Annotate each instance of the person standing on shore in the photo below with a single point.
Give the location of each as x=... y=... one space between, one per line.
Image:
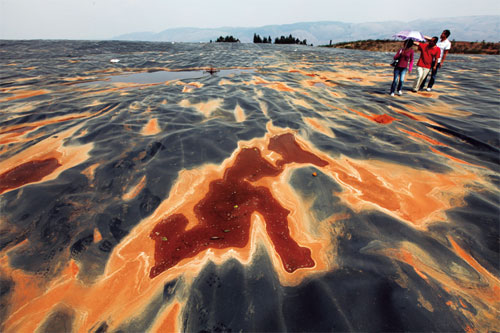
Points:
x=404 y=57
x=429 y=54
x=444 y=45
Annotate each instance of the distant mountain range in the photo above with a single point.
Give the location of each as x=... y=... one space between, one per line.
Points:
x=466 y=28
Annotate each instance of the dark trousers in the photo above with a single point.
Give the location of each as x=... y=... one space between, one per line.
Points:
x=433 y=74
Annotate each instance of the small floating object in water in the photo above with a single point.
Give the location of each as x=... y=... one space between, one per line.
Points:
x=164 y=239
x=235 y=206
x=214 y=238
x=315 y=174
x=212 y=70
x=114 y=61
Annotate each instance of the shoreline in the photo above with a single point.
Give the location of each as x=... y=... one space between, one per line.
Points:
x=458 y=47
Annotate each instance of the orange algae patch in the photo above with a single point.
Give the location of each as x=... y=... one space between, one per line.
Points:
x=318 y=82
x=413 y=116
x=344 y=74
x=337 y=94
x=17 y=130
x=224 y=82
x=11 y=135
x=381 y=119
x=439 y=108
x=151 y=127
x=239 y=114
x=94 y=304
x=423 y=199
x=320 y=126
x=493 y=281
x=90 y=171
x=207 y=108
x=423 y=137
x=135 y=190
x=188 y=87
x=97 y=236
x=280 y=86
x=25 y=94
x=454 y=158
x=302 y=103
x=482 y=291
x=169 y=322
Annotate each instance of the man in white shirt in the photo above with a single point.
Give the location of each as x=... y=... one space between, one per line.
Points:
x=445 y=45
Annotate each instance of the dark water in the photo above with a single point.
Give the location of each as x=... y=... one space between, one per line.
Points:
x=402 y=224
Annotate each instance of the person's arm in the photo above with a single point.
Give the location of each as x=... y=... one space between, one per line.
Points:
x=438 y=54
x=427 y=38
x=411 y=60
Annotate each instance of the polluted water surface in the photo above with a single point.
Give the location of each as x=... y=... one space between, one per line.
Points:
x=244 y=187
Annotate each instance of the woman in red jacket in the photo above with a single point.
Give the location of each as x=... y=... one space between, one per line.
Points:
x=405 y=57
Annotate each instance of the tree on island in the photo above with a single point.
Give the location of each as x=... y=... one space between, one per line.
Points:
x=258 y=39
x=289 y=40
x=227 y=39
x=282 y=40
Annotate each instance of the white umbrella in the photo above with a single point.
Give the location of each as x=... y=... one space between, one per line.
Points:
x=410 y=34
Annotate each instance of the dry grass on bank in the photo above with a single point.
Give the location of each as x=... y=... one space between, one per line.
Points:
x=392 y=46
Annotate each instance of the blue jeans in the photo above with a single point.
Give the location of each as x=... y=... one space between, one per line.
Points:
x=399 y=74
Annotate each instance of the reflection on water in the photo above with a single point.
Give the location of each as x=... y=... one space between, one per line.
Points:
x=162 y=76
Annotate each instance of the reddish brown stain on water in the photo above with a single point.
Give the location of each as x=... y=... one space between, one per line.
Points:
x=383 y=119
x=423 y=137
x=286 y=146
x=29 y=172
x=224 y=214
x=379 y=118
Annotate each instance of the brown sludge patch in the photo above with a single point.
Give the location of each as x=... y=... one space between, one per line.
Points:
x=27 y=173
x=52 y=148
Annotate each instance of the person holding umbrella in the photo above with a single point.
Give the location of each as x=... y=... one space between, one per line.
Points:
x=404 y=57
x=444 y=45
x=429 y=54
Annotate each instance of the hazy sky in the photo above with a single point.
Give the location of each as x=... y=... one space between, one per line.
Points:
x=101 y=19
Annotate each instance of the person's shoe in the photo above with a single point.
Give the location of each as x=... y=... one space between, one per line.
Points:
x=428 y=89
x=414 y=90
x=392 y=94
x=400 y=93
